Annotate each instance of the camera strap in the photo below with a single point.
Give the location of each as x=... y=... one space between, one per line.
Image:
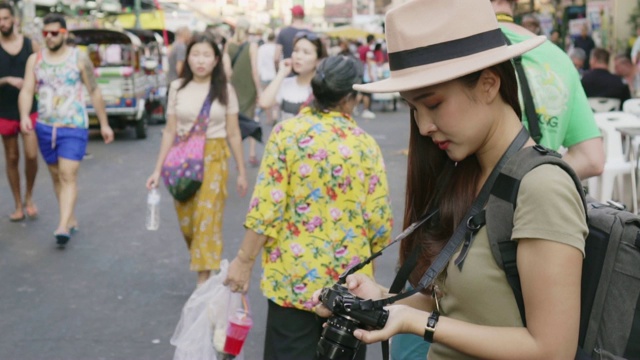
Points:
x=446 y=254
x=456 y=239
x=463 y=227
x=449 y=249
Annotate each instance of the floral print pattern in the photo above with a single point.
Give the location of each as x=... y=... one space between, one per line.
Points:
x=322 y=199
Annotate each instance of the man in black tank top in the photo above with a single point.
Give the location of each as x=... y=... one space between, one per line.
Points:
x=14 y=52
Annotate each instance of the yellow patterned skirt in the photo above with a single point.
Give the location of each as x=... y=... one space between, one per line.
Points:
x=200 y=217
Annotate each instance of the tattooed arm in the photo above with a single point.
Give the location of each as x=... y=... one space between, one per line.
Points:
x=89 y=80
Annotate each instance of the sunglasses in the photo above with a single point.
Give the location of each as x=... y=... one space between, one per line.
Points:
x=53 y=33
x=306 y=35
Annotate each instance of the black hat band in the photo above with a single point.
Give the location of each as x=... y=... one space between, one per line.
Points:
x=447 y=50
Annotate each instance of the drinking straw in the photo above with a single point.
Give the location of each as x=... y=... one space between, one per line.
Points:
x=245 y=306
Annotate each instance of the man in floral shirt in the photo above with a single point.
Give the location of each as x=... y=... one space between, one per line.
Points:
x=320 y=206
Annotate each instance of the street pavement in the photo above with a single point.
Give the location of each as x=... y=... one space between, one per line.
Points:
x=117 y=290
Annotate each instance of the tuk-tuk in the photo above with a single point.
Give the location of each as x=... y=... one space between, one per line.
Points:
x=152 y=44
x=125 y=86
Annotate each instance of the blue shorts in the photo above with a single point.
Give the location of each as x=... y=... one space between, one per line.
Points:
x=61 y=142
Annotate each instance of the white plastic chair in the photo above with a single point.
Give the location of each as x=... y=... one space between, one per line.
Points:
x=632 y=106
x=617 y=163
x=603 y=104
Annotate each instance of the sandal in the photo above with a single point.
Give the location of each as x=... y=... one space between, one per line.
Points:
x=14 y=218
x=62 y=239
x=32 y=211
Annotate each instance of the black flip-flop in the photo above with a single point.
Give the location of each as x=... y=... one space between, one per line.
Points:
x=62 y=239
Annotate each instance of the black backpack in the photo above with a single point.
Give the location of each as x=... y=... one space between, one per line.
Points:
x=610 y=294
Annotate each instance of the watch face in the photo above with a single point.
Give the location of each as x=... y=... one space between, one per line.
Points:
x=431 y=323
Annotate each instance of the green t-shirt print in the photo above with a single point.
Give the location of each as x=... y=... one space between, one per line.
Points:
x=565 y=116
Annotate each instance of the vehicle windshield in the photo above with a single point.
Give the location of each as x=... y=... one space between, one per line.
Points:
x=109 y=55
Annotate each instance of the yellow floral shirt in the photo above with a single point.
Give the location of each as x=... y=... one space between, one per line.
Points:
x=322 y=199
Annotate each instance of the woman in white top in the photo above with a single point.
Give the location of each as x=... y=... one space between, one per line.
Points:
x=291 y=93
x=200 y=217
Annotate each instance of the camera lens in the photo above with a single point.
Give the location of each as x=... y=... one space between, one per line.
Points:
x=337 y=341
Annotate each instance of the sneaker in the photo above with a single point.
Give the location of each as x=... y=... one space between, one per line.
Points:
x=367 y=114
x=87 y=156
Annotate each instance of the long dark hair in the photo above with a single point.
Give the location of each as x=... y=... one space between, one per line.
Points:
x=218 y=87
x=429 y=168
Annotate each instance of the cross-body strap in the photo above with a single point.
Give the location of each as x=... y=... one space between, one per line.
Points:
x=529 y=105
x=456 y=239
x=200 y=125
x=237 y=54
x=441 y=261
x=412 y=260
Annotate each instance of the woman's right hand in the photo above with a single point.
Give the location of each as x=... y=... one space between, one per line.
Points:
x=26 y=125
x=286 y=66
x=154 y=180
x=360 y=285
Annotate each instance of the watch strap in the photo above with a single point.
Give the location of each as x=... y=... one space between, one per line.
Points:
x=430 y=327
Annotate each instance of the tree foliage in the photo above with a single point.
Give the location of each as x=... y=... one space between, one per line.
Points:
x=634 y=16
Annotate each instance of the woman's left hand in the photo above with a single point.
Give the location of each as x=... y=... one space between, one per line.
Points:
x=320 y=309
x=242 y=185
x=239 y=275
x=401 y=317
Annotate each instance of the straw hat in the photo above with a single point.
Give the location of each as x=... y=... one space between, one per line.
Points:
x=434 y=41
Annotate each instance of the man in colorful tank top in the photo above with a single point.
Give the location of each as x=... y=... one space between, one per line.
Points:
x=58 y=74
x=14 y=52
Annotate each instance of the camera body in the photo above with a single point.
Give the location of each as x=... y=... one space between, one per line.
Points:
x=337 y=341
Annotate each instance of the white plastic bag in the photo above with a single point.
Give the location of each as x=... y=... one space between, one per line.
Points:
x=204 y=321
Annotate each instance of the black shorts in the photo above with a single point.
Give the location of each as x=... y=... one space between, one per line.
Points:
x=293 y=334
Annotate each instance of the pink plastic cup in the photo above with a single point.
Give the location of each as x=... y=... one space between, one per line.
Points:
x=239 y=325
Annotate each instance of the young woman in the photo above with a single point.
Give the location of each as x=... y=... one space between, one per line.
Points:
x=320 y=204
x=463 y=94
x=200 y=217
x=290 y=93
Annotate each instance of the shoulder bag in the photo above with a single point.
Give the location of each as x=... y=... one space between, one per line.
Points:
x=183 y=168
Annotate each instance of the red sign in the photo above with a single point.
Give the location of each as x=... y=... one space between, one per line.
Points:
x=338 y=10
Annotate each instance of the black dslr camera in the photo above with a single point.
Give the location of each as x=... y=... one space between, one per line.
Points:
x=337 y=341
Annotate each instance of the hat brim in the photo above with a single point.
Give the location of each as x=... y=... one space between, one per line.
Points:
x=426 y=75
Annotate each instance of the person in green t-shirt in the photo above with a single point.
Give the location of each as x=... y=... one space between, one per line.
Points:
x=565 y=117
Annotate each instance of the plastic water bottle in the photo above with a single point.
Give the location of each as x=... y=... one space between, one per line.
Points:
x=153 y=209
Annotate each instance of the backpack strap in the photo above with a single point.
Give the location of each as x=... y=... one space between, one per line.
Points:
x=237 y=54
x=529 y=105
x=501 y=207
